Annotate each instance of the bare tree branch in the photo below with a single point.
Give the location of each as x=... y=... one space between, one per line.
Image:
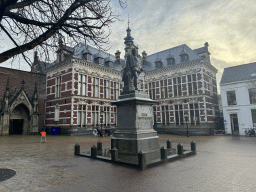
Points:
x=25 y=58
x=39 y=23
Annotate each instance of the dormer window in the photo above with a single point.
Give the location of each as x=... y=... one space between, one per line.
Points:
x=109 y=64
x=98 y=59
x=184 y=56
x=88 y=56
x=170 y=59
x=158 y=63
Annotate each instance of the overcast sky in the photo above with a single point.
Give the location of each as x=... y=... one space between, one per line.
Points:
x=227 y=25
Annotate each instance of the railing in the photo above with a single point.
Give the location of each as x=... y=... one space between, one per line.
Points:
x=219 y=132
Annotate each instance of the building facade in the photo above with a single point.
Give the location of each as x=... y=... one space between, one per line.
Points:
x=83 y=82
x=22 y=96
x=238 y=94
x=183 y=81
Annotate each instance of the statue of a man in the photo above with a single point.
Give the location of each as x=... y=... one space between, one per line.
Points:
x=131 y=70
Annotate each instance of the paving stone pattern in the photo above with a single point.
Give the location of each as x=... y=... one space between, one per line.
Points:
x=222 y=163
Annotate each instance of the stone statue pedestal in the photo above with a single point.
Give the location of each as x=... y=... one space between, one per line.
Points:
x=135 y=131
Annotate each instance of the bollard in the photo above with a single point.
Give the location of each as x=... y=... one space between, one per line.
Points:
x=163 y=153
x=193 y=146
x=142 y=160
x=77 y=149
x=169 y=144
x=93 y=151
x=114 y=154
x=99 y=145
x=180 y=149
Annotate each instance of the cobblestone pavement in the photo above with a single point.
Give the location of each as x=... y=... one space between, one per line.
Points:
x=222 y=163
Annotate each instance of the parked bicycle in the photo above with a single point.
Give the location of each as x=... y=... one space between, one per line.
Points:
x=250 y=132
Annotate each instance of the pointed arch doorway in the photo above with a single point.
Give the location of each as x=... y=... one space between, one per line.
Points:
x=19 y=120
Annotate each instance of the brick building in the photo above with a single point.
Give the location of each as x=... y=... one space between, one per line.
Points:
x=22 y=96
x=83 y=82
x=184 y=82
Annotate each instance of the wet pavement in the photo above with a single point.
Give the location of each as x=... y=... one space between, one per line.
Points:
x=222 y=163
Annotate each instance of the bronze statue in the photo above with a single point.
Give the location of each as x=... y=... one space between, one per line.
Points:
x=131 y=71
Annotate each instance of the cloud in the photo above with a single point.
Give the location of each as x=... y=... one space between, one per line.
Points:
x=228 y=27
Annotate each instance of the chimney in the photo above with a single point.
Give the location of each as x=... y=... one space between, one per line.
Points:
x=144 y=55
x=206 y=46
x=118 y=53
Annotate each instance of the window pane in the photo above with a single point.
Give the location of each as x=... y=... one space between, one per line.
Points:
x=179 y=79
x=181 y=117
x=192 y=116
x=194 y=77
x=107 y=93
x=83 y=118
x=93 y=115
x=96 y=118
x=84 y=80
x=107 y=118
x=177 y=117
x=117 y=94
x=231 y=97
x=79 y=118
x=190 y=89
x=254 y=117
x=96 y=92
x=83 y=89
x=179 y=89
x=175 y=90
x=252 y=94
x=189 y=78
x=194 y=88
x=79 y=88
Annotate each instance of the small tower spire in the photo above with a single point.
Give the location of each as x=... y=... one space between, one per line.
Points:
x=128 y=22
x=128 y=40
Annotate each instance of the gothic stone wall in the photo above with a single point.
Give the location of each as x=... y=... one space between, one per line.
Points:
x=15 y=77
